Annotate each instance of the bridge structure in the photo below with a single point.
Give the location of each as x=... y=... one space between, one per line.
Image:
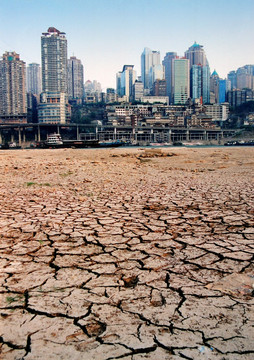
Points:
x=30 y=132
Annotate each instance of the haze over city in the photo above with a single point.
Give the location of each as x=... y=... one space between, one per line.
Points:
x=105 y=35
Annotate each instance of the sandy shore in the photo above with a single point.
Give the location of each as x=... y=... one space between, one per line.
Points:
x=127 y=254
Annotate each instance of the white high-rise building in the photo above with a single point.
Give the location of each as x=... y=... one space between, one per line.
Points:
x=54 y=61
x=33 y=79
x=53 y=107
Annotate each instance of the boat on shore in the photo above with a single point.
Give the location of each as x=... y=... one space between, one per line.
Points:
x=110 y=143
x=240 y=143
x=55 y=141
x=10 y=146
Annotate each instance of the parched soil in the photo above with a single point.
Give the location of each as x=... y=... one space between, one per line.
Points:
x=127 y=254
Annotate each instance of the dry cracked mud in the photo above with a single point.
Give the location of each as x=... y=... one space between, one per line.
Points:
x=127 y=254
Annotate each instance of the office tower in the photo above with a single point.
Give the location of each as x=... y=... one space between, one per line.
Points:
x=118 y=83
x=126 y=79
x=54 y=61
x=181 y=84
x=13 y=105
x=197 y=56
x=169 y=73
x=222 y=90
x=138 y=90
x=156 y=73
x=215 y=86
x=149 y=58
x=196 y=82
x=75 y=73
x=243 y=78
x=232 y=79
x=33 y=79
x=159 y=88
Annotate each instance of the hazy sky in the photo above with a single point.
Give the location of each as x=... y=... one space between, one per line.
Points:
x=106 y=34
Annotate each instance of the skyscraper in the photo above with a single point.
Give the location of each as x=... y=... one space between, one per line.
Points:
x=243 y=78
x=181 y=86
x=125 y=81
x=33 y=79
x=156 y=73
x=195 y=81
x=232 y=78
x=149 y=59
x=215 y=86
x=12 y=88
x=197 y=56
x=53 y=107
x=169 y=73
x=54 y=61
x=75 y=79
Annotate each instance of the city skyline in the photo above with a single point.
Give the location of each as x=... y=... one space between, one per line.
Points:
x=107 y=35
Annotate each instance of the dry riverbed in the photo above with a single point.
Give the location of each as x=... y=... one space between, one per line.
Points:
x=127 y=254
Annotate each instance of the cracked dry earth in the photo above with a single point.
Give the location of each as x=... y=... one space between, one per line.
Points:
x=127 y=254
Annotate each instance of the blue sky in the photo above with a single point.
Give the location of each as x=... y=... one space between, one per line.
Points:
x=106 y=34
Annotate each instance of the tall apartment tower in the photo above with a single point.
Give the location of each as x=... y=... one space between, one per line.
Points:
x=149 y=58
x=181 y=86
x=54 y=61
x=13 y=106
x=168 y=63
x=75 y=79
x=33 y=79
x=53 y=107
x=197 y=56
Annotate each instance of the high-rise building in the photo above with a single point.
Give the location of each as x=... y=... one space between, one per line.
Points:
x=127 y=79
x=222 y=90
x=33 y=79
x=215 y=86
x=75 y=72
x=181 y=86
x=13 y=105
x=149 y=58
x=243 y=78
x=138 y=90
x=118 y=83
x=159 y=88
x=169 y=73
x=54 y=61
x=197 y=56
x=156 y=73
x=54 y=78
x=196 y=82
x=232 y=79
